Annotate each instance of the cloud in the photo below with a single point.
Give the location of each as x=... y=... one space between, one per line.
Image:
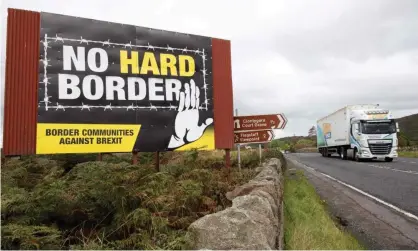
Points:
x=302 y=58
x=362 y=31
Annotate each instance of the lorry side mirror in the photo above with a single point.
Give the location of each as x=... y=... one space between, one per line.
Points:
x=356 y=130
x=397 y=127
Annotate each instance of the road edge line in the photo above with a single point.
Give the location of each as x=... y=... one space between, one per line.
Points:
x=399 y=210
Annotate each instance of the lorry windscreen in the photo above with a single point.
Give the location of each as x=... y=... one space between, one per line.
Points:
x=378 y=127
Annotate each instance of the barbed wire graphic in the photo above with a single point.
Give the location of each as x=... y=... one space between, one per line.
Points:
x=58 y=39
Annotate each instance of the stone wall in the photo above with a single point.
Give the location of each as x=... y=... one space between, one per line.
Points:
x=255 y=219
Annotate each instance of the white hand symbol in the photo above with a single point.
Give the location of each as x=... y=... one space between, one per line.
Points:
x=186 y=126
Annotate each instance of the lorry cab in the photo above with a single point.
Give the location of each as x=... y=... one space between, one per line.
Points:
x=373 y=134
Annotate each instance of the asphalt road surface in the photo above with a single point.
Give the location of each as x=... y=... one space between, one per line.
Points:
x=393 y=182
x=376 y=201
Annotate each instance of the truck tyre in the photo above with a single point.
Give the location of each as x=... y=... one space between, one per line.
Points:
x=356 y=157
x=343 y=153
x=388 y=159
x=326 y=153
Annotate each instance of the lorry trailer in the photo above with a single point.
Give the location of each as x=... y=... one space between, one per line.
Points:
x=358 y=132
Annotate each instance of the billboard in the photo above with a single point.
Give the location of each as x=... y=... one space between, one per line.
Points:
x=110 y=87
x=76 y=85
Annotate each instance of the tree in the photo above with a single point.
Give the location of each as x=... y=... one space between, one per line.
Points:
x=304 y=143
x=279 y=144
x=403 y=140
x=312 y=131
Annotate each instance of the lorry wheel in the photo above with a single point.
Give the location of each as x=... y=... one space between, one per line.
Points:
x=356 y=157
x=343 y=153
x=388 y=159
x=326 y=153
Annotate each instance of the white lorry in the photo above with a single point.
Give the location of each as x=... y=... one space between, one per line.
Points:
x=359 y=132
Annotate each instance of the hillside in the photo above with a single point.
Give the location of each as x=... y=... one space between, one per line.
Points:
x=409 y=128
x=294 y=143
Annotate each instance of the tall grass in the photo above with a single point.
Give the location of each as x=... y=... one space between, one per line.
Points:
x=408 y=154
x=307 y=223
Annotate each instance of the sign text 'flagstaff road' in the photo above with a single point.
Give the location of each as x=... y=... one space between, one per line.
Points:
x=259 y=122
x=253 y=136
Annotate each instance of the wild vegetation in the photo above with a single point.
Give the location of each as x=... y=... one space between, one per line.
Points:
x=295 y=143
x=308 y=226
x=408 y=135
x=408 y=152
x=74 y=201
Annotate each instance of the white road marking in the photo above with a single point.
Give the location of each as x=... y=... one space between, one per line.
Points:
x=386 y=167
x=394 y=169
x=408 y=214
x=412 y=162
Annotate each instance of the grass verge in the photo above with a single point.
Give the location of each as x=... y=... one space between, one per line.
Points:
x=408 y=154
x=307 y=222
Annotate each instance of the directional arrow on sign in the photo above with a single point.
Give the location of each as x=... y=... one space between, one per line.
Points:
x=260 y=122
x=282 y=121
x=260 y=136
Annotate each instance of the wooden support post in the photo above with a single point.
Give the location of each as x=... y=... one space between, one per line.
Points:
x=228 y=158
x=3 y=158
x=100 y=157
x=157 y=161
x=134 y=158
x=228 y=164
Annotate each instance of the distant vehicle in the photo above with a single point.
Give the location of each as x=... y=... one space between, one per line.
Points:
x=360 y=132
x=248 y=147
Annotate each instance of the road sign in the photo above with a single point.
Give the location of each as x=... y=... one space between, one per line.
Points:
x=259 y=122
x=260 y=136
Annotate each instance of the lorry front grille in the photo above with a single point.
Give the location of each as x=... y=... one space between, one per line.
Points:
x=380 y=149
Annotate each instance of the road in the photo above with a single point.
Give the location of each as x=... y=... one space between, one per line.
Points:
x=394 y=182
x=377 y=201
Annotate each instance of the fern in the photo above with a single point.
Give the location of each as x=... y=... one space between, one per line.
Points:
x=30 y=237
x=74 y=201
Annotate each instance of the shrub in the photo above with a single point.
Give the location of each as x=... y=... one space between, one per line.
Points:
x=15 y=236
x=74 y=201
x=68 y=161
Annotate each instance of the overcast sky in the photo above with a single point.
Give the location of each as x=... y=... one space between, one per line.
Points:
x=301 y=58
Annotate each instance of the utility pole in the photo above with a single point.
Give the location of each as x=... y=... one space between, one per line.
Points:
x=238 y=147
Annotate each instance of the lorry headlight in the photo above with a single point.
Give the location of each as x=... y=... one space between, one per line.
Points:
x=363 y=143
